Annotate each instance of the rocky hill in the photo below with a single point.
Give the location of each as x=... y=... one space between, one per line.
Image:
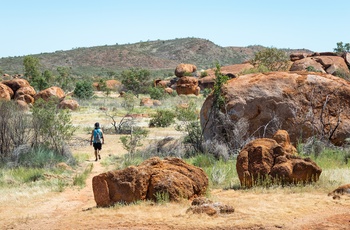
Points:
x=160 y=55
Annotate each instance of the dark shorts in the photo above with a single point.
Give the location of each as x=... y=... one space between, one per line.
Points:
x=97 y=146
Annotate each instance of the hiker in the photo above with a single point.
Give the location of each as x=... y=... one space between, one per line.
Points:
x=97 y=140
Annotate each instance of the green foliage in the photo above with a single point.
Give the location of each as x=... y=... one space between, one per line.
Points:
x=271 y=58
x=221 y=173
x=206 y=92
x=136 y=80
x=162 y=197
x=163 y=118
x=342 y=47
x=31 y=67
x=129 y=101
x=132 y=141
x=204 y=74
x=15 y=128
x=40 y=157
x=311 y=69
x=27 y=175
x=258 y=69
x=342 y=74
x=84 y=89
x=189 y=124
x=64 y=80
x=80 y=180
x=157 y=93
x=220 y=80
x=52 y=126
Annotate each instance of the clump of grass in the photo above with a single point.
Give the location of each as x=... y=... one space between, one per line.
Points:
x=80 y=180
x=162 y=197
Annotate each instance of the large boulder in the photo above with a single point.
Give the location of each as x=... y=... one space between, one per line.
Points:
x=52 y=92
x=148 y=180
x=16 y=83
x=305 y=104
x=161 y=83
x=231 y=71
x=265 y=159
x=6 y=92
x=182 y=69
x=69 y=104
x=306 y=64
x=327 y=62
x=187 y=85
x=26 y=90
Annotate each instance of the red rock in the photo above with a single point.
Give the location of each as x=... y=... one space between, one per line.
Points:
x=52 y=92
x=151 y=178
x=295 y=99
x=187 y=85
x=182 y=68
x=69 y=104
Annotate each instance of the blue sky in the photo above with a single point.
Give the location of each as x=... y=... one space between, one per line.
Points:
x=39 y=26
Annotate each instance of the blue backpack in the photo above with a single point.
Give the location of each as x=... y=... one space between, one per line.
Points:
x=98 y=136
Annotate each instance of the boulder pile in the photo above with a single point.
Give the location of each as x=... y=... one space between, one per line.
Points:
x=25 y=95
x=265 y=159
x=186 y=84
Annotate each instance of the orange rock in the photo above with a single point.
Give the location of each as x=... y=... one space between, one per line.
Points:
x=182 y=68
x=52 y=92
x=154 y=176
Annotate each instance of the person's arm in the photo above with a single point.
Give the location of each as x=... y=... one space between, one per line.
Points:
x=92 y=135
x=103 y=139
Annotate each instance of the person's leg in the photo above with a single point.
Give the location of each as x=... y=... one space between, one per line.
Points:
x=96 y=149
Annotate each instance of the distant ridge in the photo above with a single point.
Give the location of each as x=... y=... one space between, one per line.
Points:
x=159 y=55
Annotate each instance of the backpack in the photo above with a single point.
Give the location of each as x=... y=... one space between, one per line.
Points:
x=97 y=136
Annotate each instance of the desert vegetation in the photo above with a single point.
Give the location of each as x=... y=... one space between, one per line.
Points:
x=46 y=150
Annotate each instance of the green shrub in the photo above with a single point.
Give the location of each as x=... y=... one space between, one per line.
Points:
x=40 y=157
x=204 y=74
x=163 y=118
x=272 y=58
x=206 y=92
x=80 y=180
x=157 y=93
x=84 y=90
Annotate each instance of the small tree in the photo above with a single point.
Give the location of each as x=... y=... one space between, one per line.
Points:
x=189 y=124
x=84 y=89
x=52 y=126
x=271 y=58
x=163 y=118
x=135 y=80
x=32 y=69
x=157 y=93
x=132 y=141
x=342 y=47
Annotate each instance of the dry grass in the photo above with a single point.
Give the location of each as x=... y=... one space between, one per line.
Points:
x=294 y=207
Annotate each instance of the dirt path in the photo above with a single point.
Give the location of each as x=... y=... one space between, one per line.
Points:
x=75 y=209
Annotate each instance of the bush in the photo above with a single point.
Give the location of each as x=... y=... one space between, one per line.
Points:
x=272 y=58
x=206 y=92
x=52 y=126
x=84 y=89
x=15 y=128
x=163 y=118
x=157 y=93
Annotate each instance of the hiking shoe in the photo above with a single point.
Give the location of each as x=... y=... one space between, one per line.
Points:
x=99 y=157
x=96 y=159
